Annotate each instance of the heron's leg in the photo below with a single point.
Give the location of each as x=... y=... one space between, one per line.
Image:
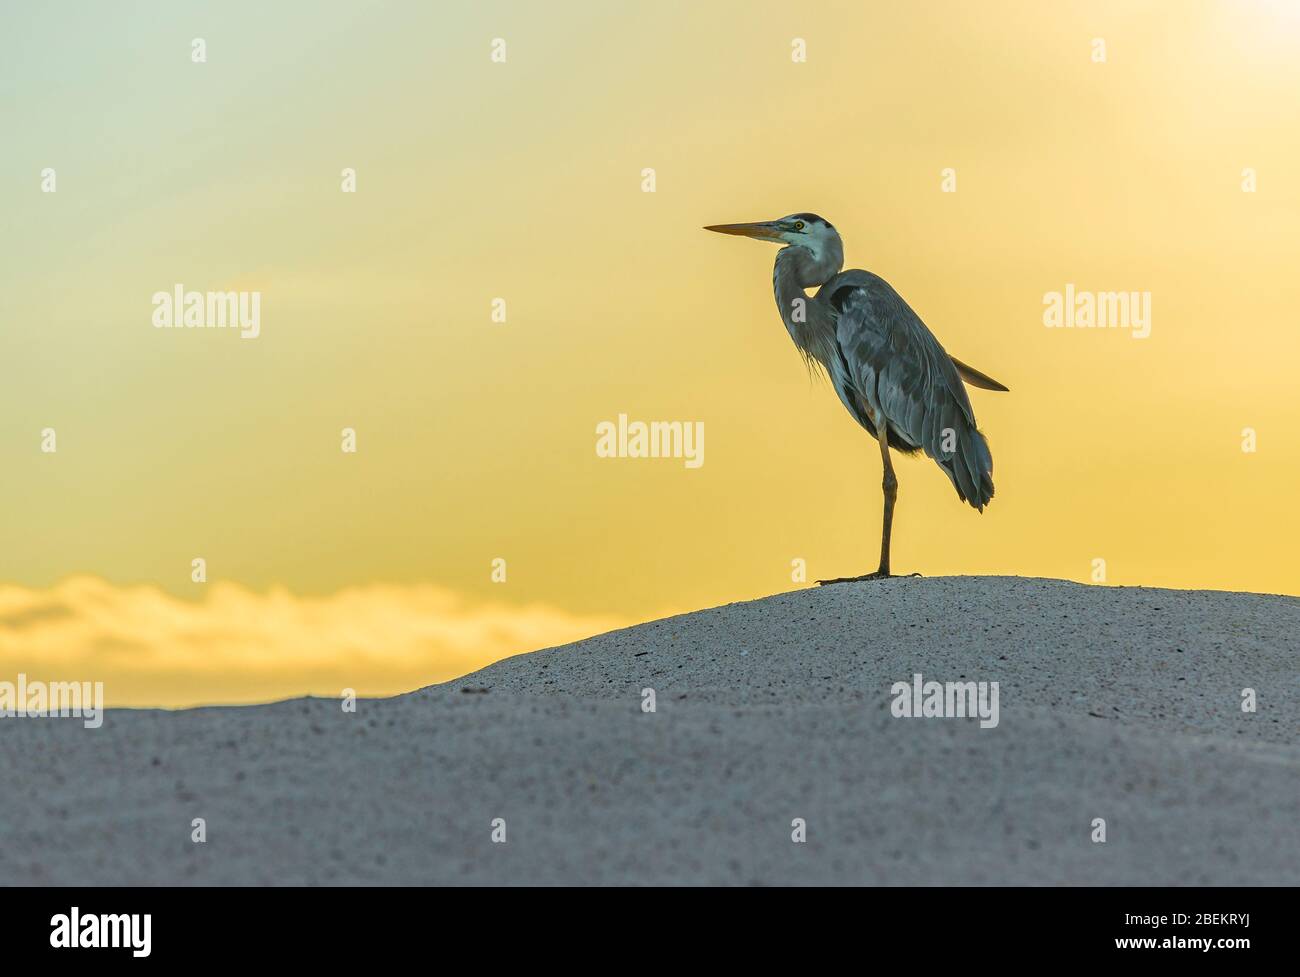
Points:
x=889 y=485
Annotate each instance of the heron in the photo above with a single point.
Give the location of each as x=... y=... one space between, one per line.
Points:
x=890 y=372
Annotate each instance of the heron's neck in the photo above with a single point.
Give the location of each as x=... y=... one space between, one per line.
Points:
x=798 y=269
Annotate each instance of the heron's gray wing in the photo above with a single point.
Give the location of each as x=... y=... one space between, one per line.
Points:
x=904 y=374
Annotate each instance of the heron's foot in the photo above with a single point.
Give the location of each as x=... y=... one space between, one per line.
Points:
x=874 y=575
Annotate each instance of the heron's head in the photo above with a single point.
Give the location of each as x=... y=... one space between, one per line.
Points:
x=814 y=234
x=798 y=230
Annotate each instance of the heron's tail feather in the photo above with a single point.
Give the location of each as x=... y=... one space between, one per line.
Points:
x=977 y=378
x=970 y=467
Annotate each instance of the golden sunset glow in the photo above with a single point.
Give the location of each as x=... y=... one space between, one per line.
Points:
x=1169 y=168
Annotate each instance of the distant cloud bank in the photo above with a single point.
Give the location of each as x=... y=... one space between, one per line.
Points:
x=235 y=645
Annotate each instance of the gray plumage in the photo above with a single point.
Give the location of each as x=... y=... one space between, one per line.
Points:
x=886 y=367
x=892 y=361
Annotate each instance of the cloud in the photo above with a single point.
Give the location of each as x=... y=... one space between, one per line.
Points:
x=150 y=648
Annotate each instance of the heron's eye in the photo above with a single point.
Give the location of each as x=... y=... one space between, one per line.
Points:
x=798 y=225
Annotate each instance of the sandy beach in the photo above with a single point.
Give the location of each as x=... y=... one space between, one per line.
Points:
x=1123 y=704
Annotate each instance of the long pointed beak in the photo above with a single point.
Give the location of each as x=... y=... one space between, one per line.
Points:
x=762 y=230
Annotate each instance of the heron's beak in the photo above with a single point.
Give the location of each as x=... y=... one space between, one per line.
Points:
x=762 y=230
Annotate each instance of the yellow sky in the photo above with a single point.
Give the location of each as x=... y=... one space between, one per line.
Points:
x=523 y=180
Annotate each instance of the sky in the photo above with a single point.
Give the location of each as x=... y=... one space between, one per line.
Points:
x=979 y=157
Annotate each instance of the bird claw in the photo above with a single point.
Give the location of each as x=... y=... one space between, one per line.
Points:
x=874 y=575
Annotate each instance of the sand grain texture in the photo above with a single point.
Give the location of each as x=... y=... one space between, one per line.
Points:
x=1115 y=703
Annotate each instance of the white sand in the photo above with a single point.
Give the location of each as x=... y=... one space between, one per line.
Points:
x=1122 y=704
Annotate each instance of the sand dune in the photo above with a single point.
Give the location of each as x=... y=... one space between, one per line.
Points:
x=1121 y=704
